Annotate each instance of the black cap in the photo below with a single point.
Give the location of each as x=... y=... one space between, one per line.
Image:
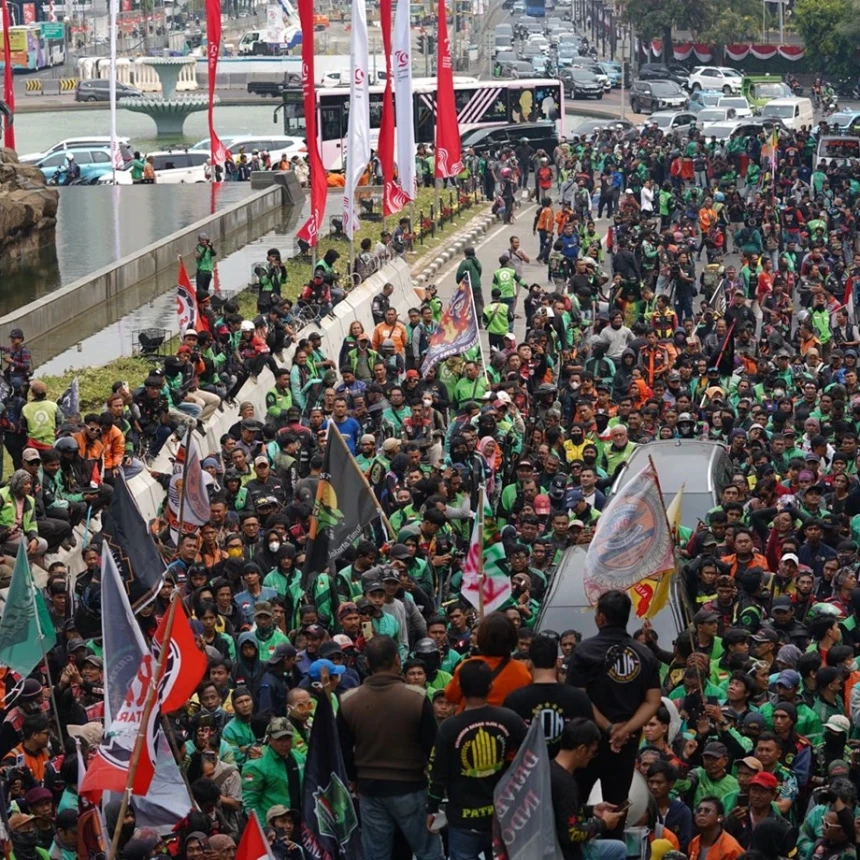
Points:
x=705 y=616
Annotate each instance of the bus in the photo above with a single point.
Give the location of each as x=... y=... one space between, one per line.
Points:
x=536 y=8
x=480 y=104
x=32 y=51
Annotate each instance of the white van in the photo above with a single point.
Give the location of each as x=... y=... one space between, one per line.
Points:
x=795 y=112
x=843 y=149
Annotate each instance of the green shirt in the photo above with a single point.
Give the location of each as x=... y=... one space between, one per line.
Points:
x=506 y=280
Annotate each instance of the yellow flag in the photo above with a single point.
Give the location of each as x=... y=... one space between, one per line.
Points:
x=651 y=594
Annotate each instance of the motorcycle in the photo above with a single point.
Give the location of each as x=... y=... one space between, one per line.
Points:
x=829 y=103
x=847 y=88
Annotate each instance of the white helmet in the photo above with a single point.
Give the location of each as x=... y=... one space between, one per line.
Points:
x=70 y=156
x=247 y=325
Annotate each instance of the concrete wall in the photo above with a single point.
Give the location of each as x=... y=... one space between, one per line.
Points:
x=148 y=493
x=41 y=316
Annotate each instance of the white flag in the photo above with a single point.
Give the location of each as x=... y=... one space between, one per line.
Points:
x=358 y=141
x=116 y=155
x=404 y=151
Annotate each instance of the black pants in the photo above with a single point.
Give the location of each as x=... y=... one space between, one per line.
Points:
x=203 y=280
x=614 y=770
x=54 y=531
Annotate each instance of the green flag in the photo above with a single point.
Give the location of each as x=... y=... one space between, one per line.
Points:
x=24 y=618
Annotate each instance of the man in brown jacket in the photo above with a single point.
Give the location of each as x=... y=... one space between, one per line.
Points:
x=387 y=731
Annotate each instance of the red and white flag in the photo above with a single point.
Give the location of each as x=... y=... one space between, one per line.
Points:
x=486 y=583
x=183 y=668
x=213 y=47
x=186 y=301
x=448 y=159
x=393 y=198
x=403 y=102
x=310 y=231
x=358 y=139
x=253 y=845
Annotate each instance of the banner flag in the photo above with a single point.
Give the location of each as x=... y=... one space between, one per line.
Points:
x=457 y=330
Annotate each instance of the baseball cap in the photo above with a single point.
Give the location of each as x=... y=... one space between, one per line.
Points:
x=766 y=634
x=276 y=811
x=374 y=585
x=399 y=551
x=390 y=445
x=18 y=820
x=261 y=460
x=705 y=616
x=838 y=767
x=765 y=780
x=751 y=762
x=263 y=608
x=781 y=602
x=316 y=668
x=412 y=374
x=788 y=678
x=838 y=723
x=790 y=556
x=542 y=506
x=345 y=609
x=715 y=748
x=314 y=630
x=94 y=660
x=709 y=539
x=279 y=727
x=281 y=652
x=344 y=641
x=30 y=455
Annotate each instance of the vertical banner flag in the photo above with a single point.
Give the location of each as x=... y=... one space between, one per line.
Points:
x=344 y=506
x=213 y=46
x=486 y=581
x=457 y=330
x=632 y=540
x=70 y=400
x=524 y=825
x=188 y=481
x=393 y=197
x=329 y=822
x=448 y=160
x=8 y=84
x=186 y=300
x=310 y=231
x=358 y=140
x=115 y=154
x=403 y=100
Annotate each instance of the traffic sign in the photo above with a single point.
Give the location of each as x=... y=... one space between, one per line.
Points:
x=53 y=30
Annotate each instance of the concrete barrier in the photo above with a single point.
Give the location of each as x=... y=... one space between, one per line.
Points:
x=40 y=317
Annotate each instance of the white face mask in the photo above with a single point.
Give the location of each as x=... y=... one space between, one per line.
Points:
x=274 y=546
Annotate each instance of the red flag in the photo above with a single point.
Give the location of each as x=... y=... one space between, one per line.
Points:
x=310 y=232
x=213 y=46
x=183 y=668
x=448 y=160
x=253 y=845
x=8 y=86
x=393 y=198
x=186 y=301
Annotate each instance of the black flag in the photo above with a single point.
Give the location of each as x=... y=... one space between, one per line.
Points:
x=344 y=505
x=329 y=822
x=137 y=558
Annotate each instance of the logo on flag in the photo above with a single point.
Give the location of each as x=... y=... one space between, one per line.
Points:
x=457 y=330
x=335 y=811
x=186 y=300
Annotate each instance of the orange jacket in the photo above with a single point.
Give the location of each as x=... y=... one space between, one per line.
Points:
x=725 y=848
x=546 y=219
x=707 y=219
x=89 y=450
x=397 y=333
x=114 y=443
x=512 y=677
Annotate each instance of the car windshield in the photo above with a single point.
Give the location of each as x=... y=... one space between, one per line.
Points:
x=712 y=115
x=665 y=88
x=730 y=73
x=770 y=91
x=583 y=77
x=781 y=111
x=738 y=103
x=840 y=120
x=661 y=120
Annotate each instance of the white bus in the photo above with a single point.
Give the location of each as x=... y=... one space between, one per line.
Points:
x=480 y=104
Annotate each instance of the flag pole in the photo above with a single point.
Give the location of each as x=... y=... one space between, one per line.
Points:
x=391 y=532
x=151 y=698
x=481 y=492
x=477 y=328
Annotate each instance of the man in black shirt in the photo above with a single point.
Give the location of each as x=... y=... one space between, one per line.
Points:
x=620 y=677
x=577 y=830
x=553 y=703
x=472 y=751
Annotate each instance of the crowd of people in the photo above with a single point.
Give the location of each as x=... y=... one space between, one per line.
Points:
x=743 y=732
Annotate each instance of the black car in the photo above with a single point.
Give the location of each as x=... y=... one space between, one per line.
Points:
x=98 y=90
x=541 y=135
x=650 y=96
x=660 y=72
x=581 y=84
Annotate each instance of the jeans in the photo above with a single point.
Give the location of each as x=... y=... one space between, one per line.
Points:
x=683 y=308
x=545 y=245
x=604 y=849
x=470 y=844
x=511 y=303
x=381 y=815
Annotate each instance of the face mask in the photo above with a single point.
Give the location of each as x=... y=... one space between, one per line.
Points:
x=274 y=546
x=234 y=552
x=852 y=665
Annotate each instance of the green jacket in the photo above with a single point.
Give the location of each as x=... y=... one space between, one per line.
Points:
x=265 y=782
x=239 y=735
x=472 y=266
x=8 y=513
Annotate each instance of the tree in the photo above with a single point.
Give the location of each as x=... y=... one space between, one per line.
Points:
x=826 y=27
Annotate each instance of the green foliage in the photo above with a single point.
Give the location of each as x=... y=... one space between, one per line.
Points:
x=828 y=28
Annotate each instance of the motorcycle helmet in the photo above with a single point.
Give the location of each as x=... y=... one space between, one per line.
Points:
x=66 y=445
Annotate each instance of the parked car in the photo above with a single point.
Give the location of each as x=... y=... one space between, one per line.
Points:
x=660 y=72
x=612 y=71
x=649 y=96
x=93 y=161
x=673 y=122
x=541 y=135
x=95 y=141
x=581 y=84
x=98 y=90
x=739 y=103
x=722 y=78
x=172 y=167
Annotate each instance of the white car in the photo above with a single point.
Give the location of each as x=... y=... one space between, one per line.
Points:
x=172 y=167
x=275 y=144
x=715 y=78
x=722 y=131
x=540 y=42
x=672 y=122
x=70 y=143
x=708 y=116
x=740 y=105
